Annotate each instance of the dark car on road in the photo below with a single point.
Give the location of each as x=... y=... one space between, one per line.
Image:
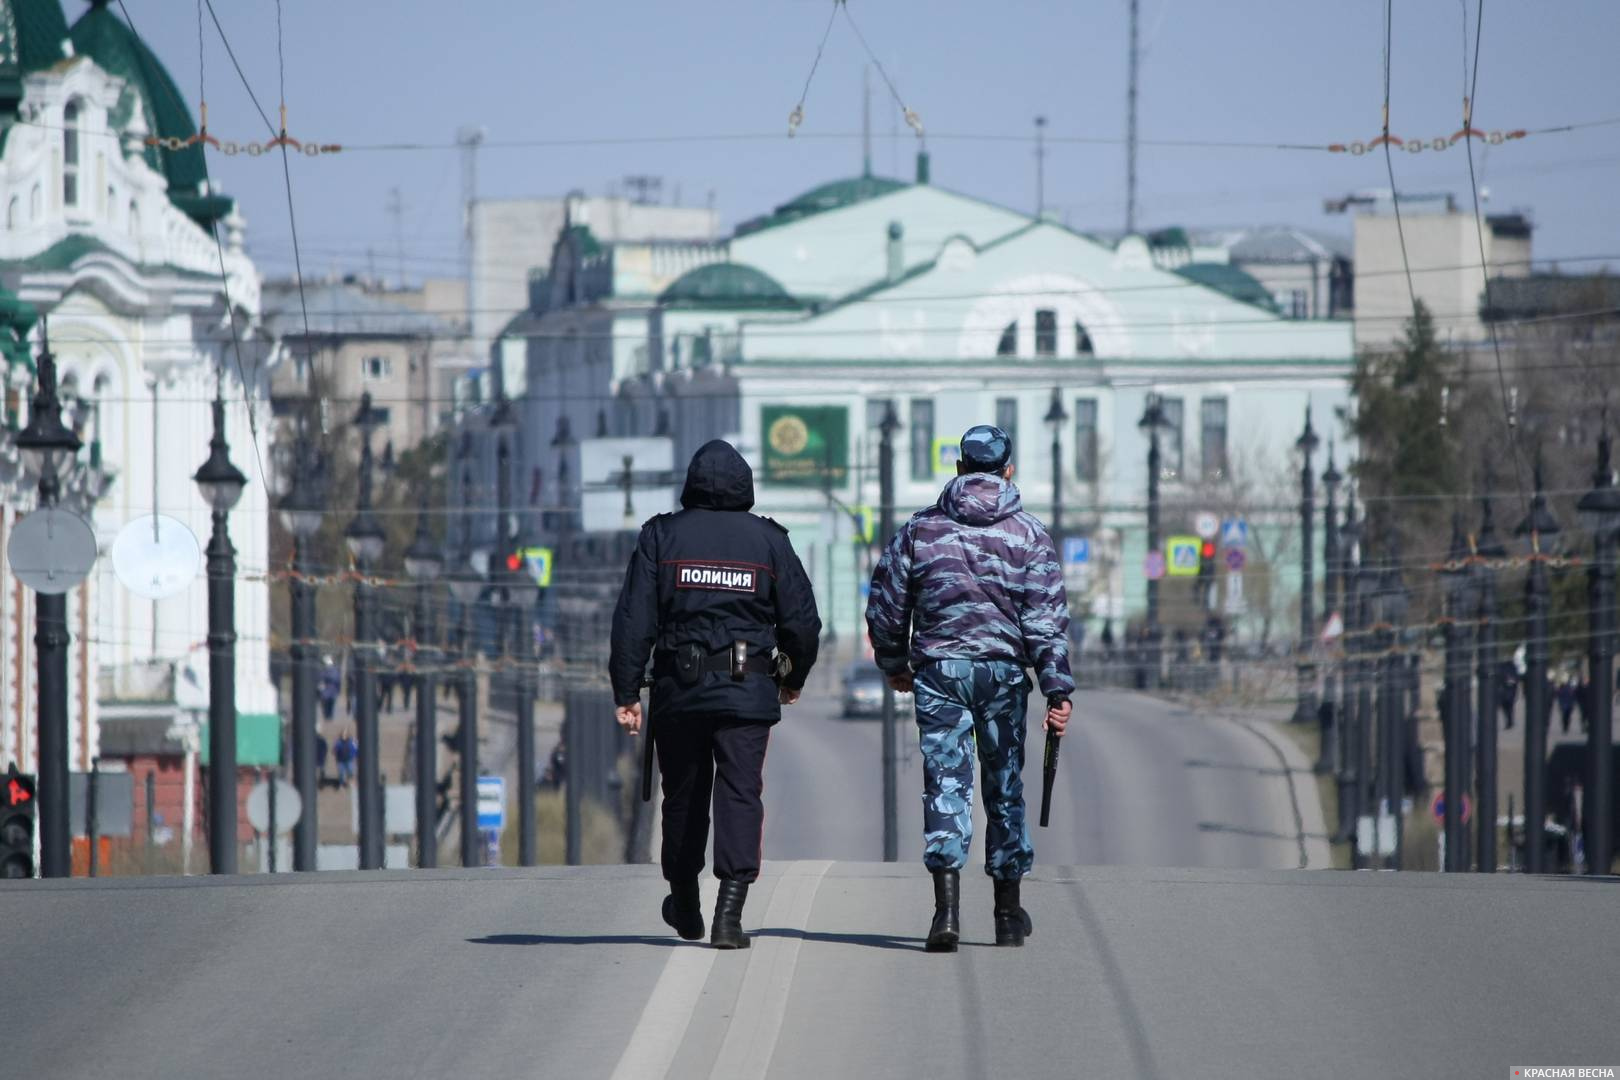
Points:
x=863 y=692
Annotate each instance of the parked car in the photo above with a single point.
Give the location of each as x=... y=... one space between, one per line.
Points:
x=863 y=692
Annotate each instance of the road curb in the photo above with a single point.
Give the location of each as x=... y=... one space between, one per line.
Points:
x=1310 y=817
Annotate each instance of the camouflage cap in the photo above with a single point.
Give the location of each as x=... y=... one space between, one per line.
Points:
x=986 y=448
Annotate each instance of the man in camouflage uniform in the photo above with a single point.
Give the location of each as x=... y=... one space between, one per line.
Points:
x=968 y=594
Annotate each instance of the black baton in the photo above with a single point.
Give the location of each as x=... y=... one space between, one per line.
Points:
x=1048 y=774
x=646 y=747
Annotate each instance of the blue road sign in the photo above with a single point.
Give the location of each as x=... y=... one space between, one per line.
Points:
x=1076 y=550
x=491 y=803
x=1234 y=533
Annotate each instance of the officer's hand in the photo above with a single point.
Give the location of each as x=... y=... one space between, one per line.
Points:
x=900 y=682
x=1057 y=720
x=629 y=717
x=786 y=696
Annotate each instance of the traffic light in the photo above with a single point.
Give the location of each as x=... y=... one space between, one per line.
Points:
x=18 y=812
x=1206 y=573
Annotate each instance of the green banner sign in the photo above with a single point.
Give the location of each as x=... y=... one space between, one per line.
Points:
x=805 y=444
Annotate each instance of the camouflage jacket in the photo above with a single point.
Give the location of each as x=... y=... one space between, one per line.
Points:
x=972 y=577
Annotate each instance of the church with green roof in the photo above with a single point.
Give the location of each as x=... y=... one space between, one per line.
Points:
x=117 y=239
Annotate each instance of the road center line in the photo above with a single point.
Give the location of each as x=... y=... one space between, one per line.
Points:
x=762 y=999
x=658 y=1033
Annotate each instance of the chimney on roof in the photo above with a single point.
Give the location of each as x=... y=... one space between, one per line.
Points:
x=897 y=257
x=922 y=166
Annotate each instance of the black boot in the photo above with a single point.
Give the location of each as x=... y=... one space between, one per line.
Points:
x=1012 y=921
x=947 y=925
x=727 y=932
x=683 y=909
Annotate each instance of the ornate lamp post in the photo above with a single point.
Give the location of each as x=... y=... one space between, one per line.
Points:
x=1393 y=601
x=1151 y=422
x=1055 y=418
x=366 y=540
x=1306 y=708
x=221 y=484
x=890 y=742
x=48 y=449
x=466 y=586
x=1600 y=514
x=1331 y=755
x=1488 y=551
x=517 y=596
x=1350 y=718
x=1457 y=583
x=1539 y=532
x=302 y=510
x=424 y=561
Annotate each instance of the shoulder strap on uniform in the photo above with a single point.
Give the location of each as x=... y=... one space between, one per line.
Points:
x=773 y=521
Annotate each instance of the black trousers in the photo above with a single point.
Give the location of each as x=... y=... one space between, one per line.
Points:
x=720 y=758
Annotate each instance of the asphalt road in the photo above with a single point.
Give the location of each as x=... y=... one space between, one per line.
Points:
x=1141 y=783
x=1232 y=963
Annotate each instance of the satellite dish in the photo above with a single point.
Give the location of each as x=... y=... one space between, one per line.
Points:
x=51 y=550
x=155 y=556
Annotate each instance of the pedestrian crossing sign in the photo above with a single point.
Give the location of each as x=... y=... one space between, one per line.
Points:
x=1183 y=556
x=947 y=452
x=538 y=560
x=866 y=522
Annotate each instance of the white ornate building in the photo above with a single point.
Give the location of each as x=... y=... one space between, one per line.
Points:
x=113 y=241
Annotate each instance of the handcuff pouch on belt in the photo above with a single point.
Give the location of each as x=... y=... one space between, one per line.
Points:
x=689 y=663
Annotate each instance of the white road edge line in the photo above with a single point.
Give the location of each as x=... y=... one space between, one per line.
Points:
x=657 y=1035
x=762 y=999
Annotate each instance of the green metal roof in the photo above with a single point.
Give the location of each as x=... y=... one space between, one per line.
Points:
x=31 y=37
x=70 y=249
x=17 y=317
x=1228 y=279
x=727 y=285
x=102 y=36
x=817 y=200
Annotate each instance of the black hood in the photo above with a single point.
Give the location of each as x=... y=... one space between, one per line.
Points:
x=718 y=479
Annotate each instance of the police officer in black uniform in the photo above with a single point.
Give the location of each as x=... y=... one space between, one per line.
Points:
x=718 y=599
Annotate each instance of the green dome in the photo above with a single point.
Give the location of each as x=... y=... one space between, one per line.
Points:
x=31 y=37
x=727 y=285
x=104 y=38
x=833 y=196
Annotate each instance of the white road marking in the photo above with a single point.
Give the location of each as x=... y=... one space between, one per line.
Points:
x=658 y=1034
x=762 y=999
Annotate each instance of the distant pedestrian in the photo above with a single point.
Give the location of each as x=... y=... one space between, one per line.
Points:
x=1567 y=694
x=344 y=753
x=407 y=683
x=331 y=683
x=320 y=755
x=385 y=690
x=348 y=686
x=1508 y=675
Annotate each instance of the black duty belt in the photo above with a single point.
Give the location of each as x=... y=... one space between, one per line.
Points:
x=758 y=664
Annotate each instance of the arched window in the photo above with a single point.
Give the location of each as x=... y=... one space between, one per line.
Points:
x=13 y=208
x=70 y=154
x=1008 y=345
x=33 y=204
x=134 y=218
x=1082 y=341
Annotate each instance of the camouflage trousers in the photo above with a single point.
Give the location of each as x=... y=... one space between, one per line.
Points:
x=963 y=705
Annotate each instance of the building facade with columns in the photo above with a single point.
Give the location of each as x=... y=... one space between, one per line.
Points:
x=137 y=264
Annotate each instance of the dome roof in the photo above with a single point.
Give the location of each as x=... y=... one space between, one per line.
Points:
x=1234 y=282
x=102 y=36
x=31 y=37
x=833 y=196
x=727 y=285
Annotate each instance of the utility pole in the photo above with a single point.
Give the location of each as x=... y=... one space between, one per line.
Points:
x=396 y=210
x=1600 y=512
x=302 y=511
x=424 y=562
x=1305 y=670
x=1455 y=577
x=1152 y=420
x=366 y=540
x=469 y=138
x=1331 y=755
x=891 y=780
x=1040 y=165
x=1130 y=127
x=866 y=121
x=1349 y=719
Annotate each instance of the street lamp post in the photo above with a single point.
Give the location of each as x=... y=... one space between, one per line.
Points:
x=1306 y=671
x=366 y=540
x=1539 y=531
x=1392 y=736
x=1350 y=717
x=1056 y=417
x=48 y=449
x=466 y=585
x=1152 y=420
x=519 y=594
x=1369 y=610
x=424 y=562
x=221 y=484
x=891 y=757
x=1600 y=513
x=1330 y=757
x=1488 y=551
x=1456 y=581
x=302 y=511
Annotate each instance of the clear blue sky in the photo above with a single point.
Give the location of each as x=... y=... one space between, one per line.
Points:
x=370 y=71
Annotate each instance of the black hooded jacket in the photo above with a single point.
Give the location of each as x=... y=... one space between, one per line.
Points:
x=712 y=574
